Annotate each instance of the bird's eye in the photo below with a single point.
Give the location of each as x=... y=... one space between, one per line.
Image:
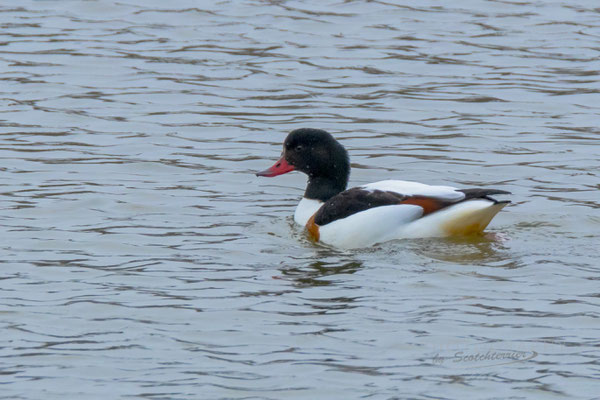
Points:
x=299 y=147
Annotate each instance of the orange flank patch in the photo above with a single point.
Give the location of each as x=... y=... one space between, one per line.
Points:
x=429 y=205
x=313 y=229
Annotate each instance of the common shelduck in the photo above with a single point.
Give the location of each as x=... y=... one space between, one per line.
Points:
x=376 y=212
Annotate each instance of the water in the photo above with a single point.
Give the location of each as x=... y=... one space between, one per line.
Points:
x=141 y=257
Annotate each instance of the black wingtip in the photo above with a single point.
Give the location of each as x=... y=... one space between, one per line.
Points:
x=482 y=193
x=498 y=191
x=479 y=193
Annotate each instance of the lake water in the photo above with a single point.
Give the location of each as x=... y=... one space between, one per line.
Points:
x=141 y=257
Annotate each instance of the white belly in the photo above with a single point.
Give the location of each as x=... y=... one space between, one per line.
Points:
x=306 y=208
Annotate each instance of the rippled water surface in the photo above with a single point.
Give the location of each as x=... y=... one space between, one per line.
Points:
x=141 y=257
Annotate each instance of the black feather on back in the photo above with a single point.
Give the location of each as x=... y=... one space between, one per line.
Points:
x=358 y=199
x=352 y=201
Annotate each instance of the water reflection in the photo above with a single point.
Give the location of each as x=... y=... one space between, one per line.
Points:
x=488 y=249
x=314 y=273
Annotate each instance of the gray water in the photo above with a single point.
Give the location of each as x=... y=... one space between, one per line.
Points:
x=141 y=257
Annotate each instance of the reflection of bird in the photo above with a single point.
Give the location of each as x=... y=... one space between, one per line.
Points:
x=379 y=211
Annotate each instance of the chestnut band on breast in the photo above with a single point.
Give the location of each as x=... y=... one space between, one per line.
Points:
x=313 y=228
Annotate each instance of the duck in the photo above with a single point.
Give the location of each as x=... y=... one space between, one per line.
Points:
x=377 y=212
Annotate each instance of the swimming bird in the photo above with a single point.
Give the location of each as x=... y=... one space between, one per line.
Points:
x=376 y=212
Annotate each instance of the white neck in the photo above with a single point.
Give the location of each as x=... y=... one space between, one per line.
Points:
x=306 y=208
